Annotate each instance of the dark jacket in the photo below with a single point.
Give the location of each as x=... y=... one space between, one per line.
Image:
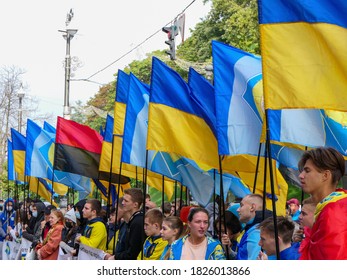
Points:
x=134 y=238
x=37 y=231
x=7 y=218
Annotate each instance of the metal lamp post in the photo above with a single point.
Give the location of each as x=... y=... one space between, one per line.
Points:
x=68 y=35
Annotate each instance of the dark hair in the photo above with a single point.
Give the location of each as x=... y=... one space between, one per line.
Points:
x=195 y=210
x=136 y=195
x=285 y=228
x=232 y=223
x=167 y=207
x=155 y=216
x=95 y=204
x=325 y=158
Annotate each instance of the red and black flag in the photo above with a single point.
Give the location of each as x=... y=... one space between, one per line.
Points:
x=78 y=149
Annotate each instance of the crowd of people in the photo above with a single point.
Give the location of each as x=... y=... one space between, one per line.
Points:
x=316 y=228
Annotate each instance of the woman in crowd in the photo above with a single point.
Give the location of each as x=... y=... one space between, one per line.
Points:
x=197 y=245
x=172 y=229
x=49 y=249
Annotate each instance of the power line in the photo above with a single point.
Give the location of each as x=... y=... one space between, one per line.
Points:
x=134 y=48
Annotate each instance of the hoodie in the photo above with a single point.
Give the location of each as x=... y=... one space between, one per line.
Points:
x=7 y=218
x=248 y=248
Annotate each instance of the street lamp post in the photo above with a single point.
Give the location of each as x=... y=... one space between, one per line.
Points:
x=68 y=35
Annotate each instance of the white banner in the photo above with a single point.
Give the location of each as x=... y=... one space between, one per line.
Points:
x=89 y=253
x=24 y=248
x=10 y=250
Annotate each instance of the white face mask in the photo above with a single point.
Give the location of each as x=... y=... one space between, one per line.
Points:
x=9 y=208
x=35 y=214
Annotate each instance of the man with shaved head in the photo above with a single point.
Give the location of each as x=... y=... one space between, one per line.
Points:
x=251 y=214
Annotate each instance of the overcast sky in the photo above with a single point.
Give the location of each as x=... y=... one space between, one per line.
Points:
x=107 y=29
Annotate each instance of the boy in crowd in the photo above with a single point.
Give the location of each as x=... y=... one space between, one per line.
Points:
x=154 y=245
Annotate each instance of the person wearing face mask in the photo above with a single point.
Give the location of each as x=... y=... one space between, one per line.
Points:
x=38 y=212
x=70 y=229
x=7 y=218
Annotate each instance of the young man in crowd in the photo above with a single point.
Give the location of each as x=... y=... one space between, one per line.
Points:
x=285 y=229
x=321 y=170
x=135 y=236
x=94 y=234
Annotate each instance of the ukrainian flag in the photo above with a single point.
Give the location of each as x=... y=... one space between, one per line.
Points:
x=176 y=123
x=303 y=45
x=18 y=150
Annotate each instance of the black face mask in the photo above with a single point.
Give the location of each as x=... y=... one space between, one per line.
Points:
x=69 y=224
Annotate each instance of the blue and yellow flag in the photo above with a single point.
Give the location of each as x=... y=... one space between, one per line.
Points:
x=18 y=150
x=176 y=123
x=303 y=45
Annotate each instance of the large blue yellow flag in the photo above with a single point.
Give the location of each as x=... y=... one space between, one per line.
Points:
x=303 y=45
x=160 y=165
x=237 y=83
x=176 y=123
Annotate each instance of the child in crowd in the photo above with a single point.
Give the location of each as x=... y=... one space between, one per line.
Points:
x=172 y=229
x=154 y=245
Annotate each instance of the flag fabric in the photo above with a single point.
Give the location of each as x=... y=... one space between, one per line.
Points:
x=10 y=164
x=111 y=149
x=336 y=130
x=78 y=149
x=48 y=127
x=110 y=166
x=18 y=150
x=202 y=92
x=120 y=102
x=237 y=82
x=175 y=121
x=39 y=151
x=39 y=160
x=43 y=188
x=303 y=45
x=303 y=127
x=161 y=166
x=136 y=123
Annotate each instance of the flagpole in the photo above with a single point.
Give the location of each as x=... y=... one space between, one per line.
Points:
x=144 y=200
x=268 y=151
x=222 y=207
x=162 y=193
x=257 y=168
